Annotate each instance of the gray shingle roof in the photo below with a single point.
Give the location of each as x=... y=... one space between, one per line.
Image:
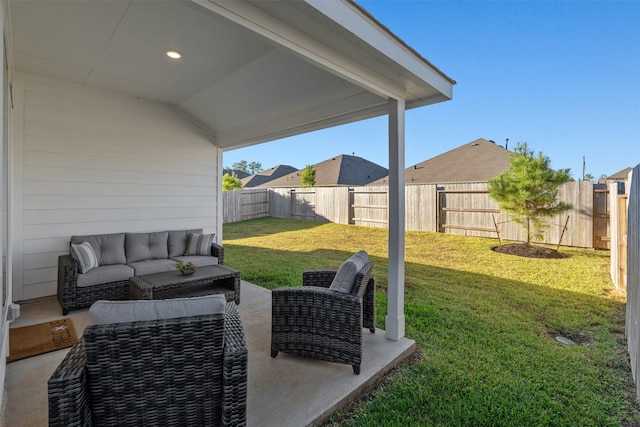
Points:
x=339 y=170
x=267 y=175
x=477 y=161
x=620 y=175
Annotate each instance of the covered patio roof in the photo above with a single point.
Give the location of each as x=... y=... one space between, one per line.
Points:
x=250 y=72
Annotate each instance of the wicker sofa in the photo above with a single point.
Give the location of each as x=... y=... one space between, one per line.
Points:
x=324 y=318
x=141 y=372
x=120 y=256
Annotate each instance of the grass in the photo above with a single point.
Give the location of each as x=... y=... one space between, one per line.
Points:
x=484 y=324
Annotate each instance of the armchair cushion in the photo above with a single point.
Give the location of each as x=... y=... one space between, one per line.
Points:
x=85 y=255
x=109 y=248
x=107 y=312
x=346 y=276
x=144 y=246
x=199 y=244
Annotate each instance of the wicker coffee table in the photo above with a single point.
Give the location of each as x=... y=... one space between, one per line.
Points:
x=214 y=279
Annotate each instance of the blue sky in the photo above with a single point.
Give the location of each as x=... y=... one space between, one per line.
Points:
x=563 y=76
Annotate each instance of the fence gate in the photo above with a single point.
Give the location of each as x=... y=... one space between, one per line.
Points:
x=601 y=238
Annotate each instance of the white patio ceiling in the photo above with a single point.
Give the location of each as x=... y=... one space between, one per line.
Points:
x=251 y=71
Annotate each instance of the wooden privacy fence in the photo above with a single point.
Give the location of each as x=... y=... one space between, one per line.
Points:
x=454 y=208
x=240 y=205
x=618 y=200
x=633 y=273
x=463 y=209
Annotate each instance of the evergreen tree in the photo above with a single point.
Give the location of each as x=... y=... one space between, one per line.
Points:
x=241 y=166
x=308 y=177
x=255 y=167
x=528 y=190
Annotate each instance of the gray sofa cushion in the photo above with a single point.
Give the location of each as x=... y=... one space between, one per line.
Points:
x=109 y=248
x=178 y=240
x=198 y=260
x=345 y=278
x=106 y=312
x=151 y=266
x=144 y=246
x=105 y=274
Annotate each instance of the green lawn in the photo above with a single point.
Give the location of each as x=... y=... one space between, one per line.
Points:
x=484 y=323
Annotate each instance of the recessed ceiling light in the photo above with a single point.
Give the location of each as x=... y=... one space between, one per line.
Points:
x=174 y=54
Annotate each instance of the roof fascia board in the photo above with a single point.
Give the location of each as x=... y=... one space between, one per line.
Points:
x=277 y=31
x=365 y=27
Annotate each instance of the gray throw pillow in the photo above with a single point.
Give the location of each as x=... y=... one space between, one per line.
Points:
x=199 y=244
x=178 y=240
x=106 y=312
x=85 y=255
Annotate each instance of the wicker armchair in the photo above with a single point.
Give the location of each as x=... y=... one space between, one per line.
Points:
x=180 y=371
x=317 y=322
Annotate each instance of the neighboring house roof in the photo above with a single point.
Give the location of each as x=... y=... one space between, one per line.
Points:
x=240 y=174
x=620 y=176
x=339 y=170
x=477 y=161
x=267 y=175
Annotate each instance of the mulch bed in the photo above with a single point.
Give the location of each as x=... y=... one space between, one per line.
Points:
x=528 y=251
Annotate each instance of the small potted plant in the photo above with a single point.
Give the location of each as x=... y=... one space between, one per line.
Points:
x=186 y=269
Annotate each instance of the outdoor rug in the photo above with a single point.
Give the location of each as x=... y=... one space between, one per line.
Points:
x=42 y=338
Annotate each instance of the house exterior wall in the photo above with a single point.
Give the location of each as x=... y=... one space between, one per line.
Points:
x=5 y=292
x=88 y=161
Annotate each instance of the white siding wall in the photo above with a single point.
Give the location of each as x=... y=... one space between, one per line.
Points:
x=5 y=294
x=89 y=161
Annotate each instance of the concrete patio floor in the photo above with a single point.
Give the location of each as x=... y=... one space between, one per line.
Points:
x=285 y=391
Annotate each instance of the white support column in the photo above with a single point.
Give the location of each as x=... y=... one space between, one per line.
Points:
x=220 y=198
x=394 y=328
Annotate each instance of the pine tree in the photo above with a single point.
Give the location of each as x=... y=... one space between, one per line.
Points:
x=255 y=167
x=528 y=190
x=242 y=165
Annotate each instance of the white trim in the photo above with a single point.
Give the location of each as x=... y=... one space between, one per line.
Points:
x=219 y=197
x=286 y=36
x=15 y=219
x=395 y=321
x=370 y=31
